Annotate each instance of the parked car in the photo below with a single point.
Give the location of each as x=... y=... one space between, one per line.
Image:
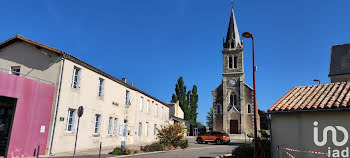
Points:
x=215 y=137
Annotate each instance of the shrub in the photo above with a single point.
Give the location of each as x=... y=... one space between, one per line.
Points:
x=184 y=144
x=153 y=147
x=171 y=134
x=244 y=151
x=248 y=150
x=118 y=151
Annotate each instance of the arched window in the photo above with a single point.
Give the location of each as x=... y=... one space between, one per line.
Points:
x=249 y=109
x=235 y=62
x=230 y=62
x=232 y=99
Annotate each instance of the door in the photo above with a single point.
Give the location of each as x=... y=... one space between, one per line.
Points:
x=140 y=132
x=7 y=110
x=125 y=134
x=234 y=127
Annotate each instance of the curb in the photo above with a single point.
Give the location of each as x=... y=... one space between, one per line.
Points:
x=221 y=156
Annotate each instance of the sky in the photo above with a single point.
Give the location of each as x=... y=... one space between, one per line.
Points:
x=153 y=43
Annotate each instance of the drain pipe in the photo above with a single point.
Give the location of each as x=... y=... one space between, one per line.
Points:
x=58 y=102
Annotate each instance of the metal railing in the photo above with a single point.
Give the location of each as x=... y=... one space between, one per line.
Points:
x=26 y=76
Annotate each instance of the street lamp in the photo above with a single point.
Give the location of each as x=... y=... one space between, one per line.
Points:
x=317 y=80
x=256 y=146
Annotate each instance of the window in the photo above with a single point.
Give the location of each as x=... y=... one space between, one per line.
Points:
x=101 y=86
x=235 y=62
x=141 y=103
x=115 y=126
x=110 y=126
x=250 y=109
x=147 y=108
x=16 y=70
x=121 y=130
x=161 y=112
x=232 y=99
x=155 y=109
x=70 y=120
x=155 y=131
x=127 y=98
x=131 y=130
x=230 y=62
x=146 y=129
x=76 y=77
x=97 y=124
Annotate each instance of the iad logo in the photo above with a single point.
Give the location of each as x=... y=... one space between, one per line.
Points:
x=334 y=135
x=333 y=130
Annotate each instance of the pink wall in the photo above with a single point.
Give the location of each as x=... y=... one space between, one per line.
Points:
x=33 y=110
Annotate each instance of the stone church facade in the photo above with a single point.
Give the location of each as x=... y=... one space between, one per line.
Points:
x=233 y=99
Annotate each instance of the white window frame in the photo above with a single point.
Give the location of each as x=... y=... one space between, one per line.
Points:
x=97 y=124
x=121 y=130
x=156 y=110
x=76 y=77
x=127 y=98
x=115 y=129
x=14 y=70
x=110 y=126
x=73 y=112
x=101 y=85
x=132 y=132
x=148 y=106
x=146 y=129
x=141 y=104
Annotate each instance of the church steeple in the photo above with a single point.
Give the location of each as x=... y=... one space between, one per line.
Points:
x=232 y=37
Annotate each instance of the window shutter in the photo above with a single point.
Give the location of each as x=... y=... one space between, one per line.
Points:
x=79 y=78
x=72 y=84
x=102 y=88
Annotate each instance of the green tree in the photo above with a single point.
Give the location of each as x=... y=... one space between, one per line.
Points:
x=193 y=104
x=181 y=95
x=210 y=118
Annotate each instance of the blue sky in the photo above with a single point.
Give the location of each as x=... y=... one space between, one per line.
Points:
x=153 y=43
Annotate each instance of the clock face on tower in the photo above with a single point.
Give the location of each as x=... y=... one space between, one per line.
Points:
x=233 y=82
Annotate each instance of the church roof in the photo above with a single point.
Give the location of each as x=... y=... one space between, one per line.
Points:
x=315 y=97
x=232 y=32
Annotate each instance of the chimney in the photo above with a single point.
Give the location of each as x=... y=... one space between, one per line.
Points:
x=132 y=83
x=124 y=79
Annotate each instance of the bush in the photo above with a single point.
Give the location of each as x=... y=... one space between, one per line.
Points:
x=248 y=150
x=184 y=144
x=118 y=151
x=153 y=147
x=171 y=134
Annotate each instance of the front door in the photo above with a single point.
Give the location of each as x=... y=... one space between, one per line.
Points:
x=7 y=109
x=234 y=127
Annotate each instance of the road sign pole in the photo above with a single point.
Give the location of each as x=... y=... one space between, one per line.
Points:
x=76 y=138
x=80 y=113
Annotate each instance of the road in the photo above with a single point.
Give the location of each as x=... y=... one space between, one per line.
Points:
x=195 y=150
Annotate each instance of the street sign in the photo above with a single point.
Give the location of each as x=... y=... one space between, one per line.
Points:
x=80 y=111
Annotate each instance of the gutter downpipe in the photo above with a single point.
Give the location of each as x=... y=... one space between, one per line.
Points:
x=58 y=102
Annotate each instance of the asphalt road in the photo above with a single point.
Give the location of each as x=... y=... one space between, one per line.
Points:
x=194 y=151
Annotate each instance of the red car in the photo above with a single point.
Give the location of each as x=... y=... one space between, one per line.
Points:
x=216 y=137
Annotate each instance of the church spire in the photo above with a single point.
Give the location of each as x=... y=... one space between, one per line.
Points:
x=232 y=38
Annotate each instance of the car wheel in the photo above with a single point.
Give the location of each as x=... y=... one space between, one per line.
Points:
x=218 y=141
x=199 y=140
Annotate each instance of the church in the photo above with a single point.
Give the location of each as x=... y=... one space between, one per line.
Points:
x=233 y=99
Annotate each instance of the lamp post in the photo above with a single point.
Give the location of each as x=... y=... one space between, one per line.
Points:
x=317 y=80
x=250 y=35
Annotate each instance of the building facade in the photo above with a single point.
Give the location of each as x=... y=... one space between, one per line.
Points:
x=233 y=101
x=339 y=69
x=114 y=110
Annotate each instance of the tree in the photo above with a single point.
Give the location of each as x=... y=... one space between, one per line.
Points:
x=181 y=95
x=171 y=134
x=210 y=118
x=193 y=103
